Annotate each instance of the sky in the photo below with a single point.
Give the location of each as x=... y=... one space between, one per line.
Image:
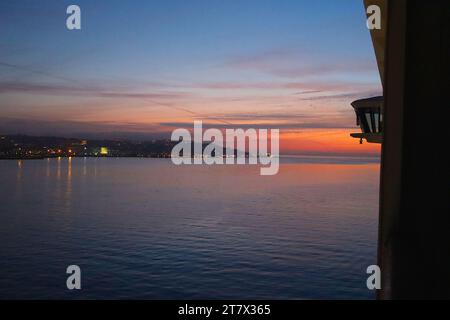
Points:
x=140 y=69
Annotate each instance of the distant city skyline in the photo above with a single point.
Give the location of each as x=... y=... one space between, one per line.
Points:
x=140 y=69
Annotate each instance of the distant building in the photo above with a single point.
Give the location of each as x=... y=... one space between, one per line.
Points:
x=104 y=151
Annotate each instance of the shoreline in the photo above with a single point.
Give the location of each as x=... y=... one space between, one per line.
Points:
x=66 y=157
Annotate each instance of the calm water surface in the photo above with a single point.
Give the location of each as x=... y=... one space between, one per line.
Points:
x=144 y=228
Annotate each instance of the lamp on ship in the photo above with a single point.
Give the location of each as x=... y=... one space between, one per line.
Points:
x=370 y=118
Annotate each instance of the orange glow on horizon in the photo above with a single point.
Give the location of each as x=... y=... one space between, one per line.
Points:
x=336 y=141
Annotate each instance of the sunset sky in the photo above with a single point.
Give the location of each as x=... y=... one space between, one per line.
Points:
x=139 y=69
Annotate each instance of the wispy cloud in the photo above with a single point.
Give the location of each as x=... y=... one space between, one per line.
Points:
x=85 y=90
x=80 y=129
x=267 y=125
x=298 y=64
x=301 y=87
x=350 y=95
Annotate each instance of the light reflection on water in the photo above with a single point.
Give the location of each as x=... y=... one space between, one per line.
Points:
x=144 y=228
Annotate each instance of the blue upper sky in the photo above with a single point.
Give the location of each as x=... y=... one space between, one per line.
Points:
x=162 y=36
